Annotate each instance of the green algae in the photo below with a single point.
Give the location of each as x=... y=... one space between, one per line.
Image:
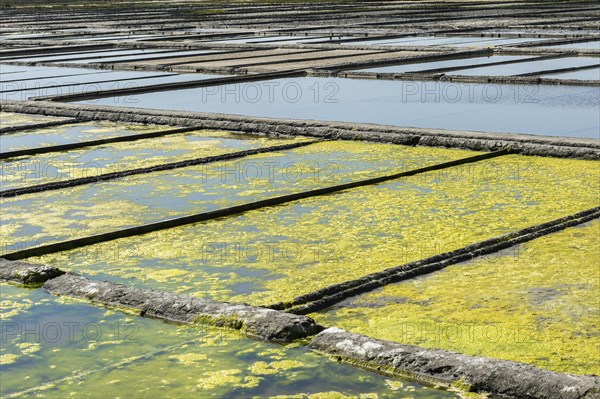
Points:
x=8 y=358
x=278 y=253
x=538 y=303
x=398 y=385
x=73 y=133
x=116 y=157
x=134 y=357
x=221 y=321
x=15 y=304
x=79 y=211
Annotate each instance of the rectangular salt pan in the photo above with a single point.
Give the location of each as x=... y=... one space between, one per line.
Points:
x=543 y=110
x=61 y=341
x=593 y=45
x=23 y=171
x=141 y=57
x=72 y=133
x=528 y=67
x=103 y=80
x=86 y=54
x=193 y=189
x=423 y=66
x=276 y=253
x=444 y=41
x=44 y=72
x=586 y=74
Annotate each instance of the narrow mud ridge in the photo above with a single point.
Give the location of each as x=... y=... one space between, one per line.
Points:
x=529 y=79
x=92 y=95
x=266 y=324
x=32 y=126
x=501 y=378
x=60 y=47
x=151 y=169
x=328 y=296
x=27 y=274
x=383 y=57
x=229 y=211
x=93 y=143
x=549 y=146
x=565 y=69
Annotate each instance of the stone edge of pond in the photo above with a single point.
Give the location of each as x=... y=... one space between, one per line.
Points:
x=436 y=367
x=262 y=323
x=443 y=78
x=27 y=274
x=500 y=378
x=549 y=146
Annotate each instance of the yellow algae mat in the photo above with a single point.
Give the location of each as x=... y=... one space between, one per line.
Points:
x=538 y=303
x=277 y=253
x=59 y=347
x=117 y=157
x=73 y=133
x=97 y=208
x=11 y=119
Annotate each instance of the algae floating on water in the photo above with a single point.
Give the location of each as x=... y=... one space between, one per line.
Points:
x=537 y=303
x=11 y=119
x=73 y=133
x=135 y=200
x=53 y=167
x=80 y=347
x=277 y=253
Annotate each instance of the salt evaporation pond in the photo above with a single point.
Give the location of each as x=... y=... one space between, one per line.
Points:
x=570 y=111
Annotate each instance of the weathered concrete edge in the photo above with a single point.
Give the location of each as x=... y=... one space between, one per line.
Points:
x=551 y=146
x=443 y=78
x=262 y=323
x=437 y=367
x=27 y=274
x=258 y=322
x=500 y=378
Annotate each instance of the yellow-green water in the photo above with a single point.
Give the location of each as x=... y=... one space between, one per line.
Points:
x=95 y=208
x=58 y=348
x=538 y=303
x=277 y=253
x=10 y=119
x=72 y=133
x=53 y=167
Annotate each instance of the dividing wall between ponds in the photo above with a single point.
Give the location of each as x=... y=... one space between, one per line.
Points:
x=92 y=347
x=571 y=147
x=230 y=259
x=453 y=370
x=538 y=300
x=496 y=108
